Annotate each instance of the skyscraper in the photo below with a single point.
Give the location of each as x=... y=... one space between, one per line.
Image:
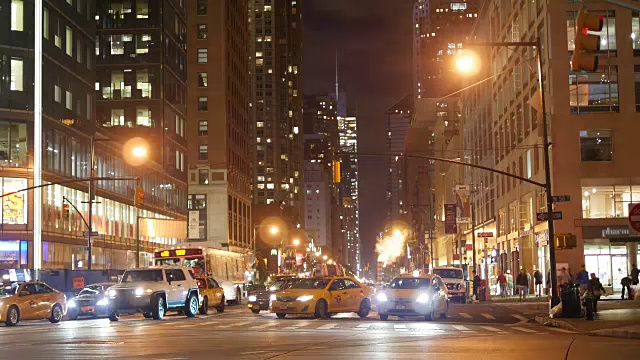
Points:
x=218 y=125
x=398 y=119
x=348 y=130
x=276 y=103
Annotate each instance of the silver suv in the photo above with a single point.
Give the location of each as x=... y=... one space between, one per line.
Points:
x=154 y=291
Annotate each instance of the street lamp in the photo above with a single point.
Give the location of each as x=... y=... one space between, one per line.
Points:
x=325 y=257
x=296 y=242
x=274 y=230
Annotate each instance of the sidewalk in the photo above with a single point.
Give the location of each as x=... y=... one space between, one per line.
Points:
x=615 y=318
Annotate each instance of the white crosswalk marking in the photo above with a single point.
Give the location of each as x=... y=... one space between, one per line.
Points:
x=488 y=316
x=326 y=327
x=297 y=326
x=430 y=327
x=524 y=329
x=561 y=330
x=400 y=327
x=465 y=315
x=234 y=324
x=519 y=317
x=461 y=328
x=491 y=328
x=363 y=326
x=264 y=325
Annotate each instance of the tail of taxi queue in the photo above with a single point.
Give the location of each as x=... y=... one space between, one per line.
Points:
x=323 y=297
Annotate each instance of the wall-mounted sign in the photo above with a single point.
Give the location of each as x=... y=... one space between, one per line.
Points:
x=450 y=223
x=14 y=206
x=194 y=225
x=463 y=203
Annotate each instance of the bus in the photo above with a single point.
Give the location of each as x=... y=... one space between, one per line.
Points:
x=205 y=259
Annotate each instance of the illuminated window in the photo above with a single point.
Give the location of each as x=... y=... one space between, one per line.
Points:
x=69 y=41
x=202 y=31
x=203 y=127
x=203 y=152
x=17 y=15
x=16 y=81
x=203 y=56
x=143 y=116
x=203 y=79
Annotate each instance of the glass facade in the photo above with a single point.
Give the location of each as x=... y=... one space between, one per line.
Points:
x=608 y=201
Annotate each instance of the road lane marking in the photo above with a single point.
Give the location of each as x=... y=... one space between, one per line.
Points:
x=297 y=326
x=363 y=326
x=561 y=330
x=234 y=324
x=491 y=328
x=520 y=317
x=400 y=327
x=326 y=327
x=461 y=328
x=488 y=316
x=524 y=330
x=466 y=316
x=264 y=326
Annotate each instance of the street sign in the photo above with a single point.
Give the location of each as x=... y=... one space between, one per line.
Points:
x=485 y=234
x=561 y=198
x=556 y=215
x=634 y=216
x=86 y=233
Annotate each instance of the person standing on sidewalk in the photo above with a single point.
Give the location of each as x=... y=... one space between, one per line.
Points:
x=523 y=283
x=595 y=289
x=476 y=285
x=537 y=278
x=634 y=274
x=582 y=278
x=502 y=282
x=626 y=284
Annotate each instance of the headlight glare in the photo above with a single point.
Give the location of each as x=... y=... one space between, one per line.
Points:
x=253 y=298
x=423 y=299
x=139 y=291
x=112 y=293
x=382 y=297
x=273 y=297
x=71 y=304
x=103 y=302
x=304 y=298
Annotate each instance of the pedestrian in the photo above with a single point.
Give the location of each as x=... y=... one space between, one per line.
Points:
x=634 y=275
x=564 y=277
x=502 y=282
x=476 y=284
x=626 y=284
x=529 y=282
x=537 y=278
x=582 y=278
x=523 y=283
x=595 y=289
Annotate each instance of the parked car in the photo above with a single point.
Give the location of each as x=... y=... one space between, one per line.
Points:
x=91 y=301
x=31 y=300
x=154 y=291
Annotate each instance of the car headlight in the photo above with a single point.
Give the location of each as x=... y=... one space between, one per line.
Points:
x=304 y=298
x=273 y=297
x=103 y=302
x=253 y=298
x=423 y=299
x=112 y=293
x=272 y=288
x=382 y=297
x=71 y=304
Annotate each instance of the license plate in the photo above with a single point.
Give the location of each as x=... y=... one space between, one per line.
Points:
x=283 y=307
x=400 y=307
x=87 y=308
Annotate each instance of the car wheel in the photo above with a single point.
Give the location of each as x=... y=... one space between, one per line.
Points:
x=204 y=309
x=384 y=317
x=192 y=306
x=13 y=316
x=147 y=315
x=322 y=310
x=157 y=310
x=255 y=311
x=220 y=307
x=281 y=315
x=56 y=314
x=114 y=316
x=365 y=308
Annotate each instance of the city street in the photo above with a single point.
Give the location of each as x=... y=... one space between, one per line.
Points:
x=478 y=330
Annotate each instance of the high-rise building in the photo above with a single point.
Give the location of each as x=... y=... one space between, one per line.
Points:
x=398 y=119
x=348 y=130
x=440 y=29
x=219 y=153
x=318 y=201
x=277 y=103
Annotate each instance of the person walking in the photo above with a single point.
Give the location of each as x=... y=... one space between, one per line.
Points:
x=523 y=283
x=502 y=282
x=634 y=274
x=582 y=278
x=595 y=289
x=626 y=284
x=537 y=278
x=476 y=285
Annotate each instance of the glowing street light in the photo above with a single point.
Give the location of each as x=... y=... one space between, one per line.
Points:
x=296 y=242
x=397 y=233
x=325 y=257
x=140 y=152
x=468 y=62
x=274 y=230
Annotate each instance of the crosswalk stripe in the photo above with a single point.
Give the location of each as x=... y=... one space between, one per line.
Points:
x=297 y=326
x=488 y=316
x=430 y=327
x=461 y=327
x=363 y=326
x=264 y=326
x=465 y=315
x=491 y=328
x=234 y=324
x=326 y=327
x=524 y=330
x=561 y=330
x=519 y=317
x=400 y=327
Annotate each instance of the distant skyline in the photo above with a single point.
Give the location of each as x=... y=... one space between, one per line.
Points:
x=373 y=41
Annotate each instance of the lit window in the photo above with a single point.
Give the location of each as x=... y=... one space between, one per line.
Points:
x=57 y=93
x=202 y=31
x=203 y=103
x=143 y=116
x=45 y=23
x=203 y=152
x=117 y=117
x=142 y=9
x=69 y=41
x=203 y=127
x=16 y=81
x=69 y=100
x=203 y=56
x=270 y=186
x=260 y=124
x=17 y=15
x=203 y=79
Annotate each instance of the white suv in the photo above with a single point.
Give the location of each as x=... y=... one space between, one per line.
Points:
x=454 y=279
x=154 y=291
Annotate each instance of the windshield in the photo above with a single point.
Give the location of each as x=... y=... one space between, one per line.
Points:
x=8 y=290
x=142 y=275
x=311 y=284
x=410 y=283
x=448 y=273
x=91 y=290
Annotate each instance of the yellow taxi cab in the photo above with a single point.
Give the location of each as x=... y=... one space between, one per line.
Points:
x=211 y=294
x=413 y=294
x=31 y=301
x=323 y=297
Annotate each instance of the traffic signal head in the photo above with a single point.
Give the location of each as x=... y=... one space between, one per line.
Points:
x=585 y=41
x=139 y=195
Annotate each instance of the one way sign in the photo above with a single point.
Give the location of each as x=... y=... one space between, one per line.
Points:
x=556 y=215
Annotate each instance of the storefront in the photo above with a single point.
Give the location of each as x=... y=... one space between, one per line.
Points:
x=543 y=263
x=609 y=252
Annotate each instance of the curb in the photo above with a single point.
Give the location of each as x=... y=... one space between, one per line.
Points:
x=618 y=333
x=546 y=321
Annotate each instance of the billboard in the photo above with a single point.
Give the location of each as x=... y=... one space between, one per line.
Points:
x=463 y=203
x=450 y=225
x=14 y=206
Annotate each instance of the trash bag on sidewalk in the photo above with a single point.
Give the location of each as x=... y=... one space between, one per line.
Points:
x=556 y=311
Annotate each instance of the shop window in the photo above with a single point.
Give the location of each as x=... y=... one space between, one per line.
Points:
x=595 y=145
x=608 y=201
x=594 y=92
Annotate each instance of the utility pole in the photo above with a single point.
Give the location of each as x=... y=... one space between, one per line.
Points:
x=91 y=195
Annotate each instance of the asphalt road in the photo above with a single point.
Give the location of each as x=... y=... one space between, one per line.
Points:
x=238 y=334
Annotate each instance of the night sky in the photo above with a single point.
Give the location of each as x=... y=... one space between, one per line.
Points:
x=373 y=39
